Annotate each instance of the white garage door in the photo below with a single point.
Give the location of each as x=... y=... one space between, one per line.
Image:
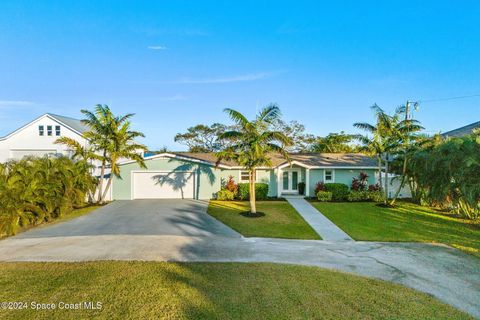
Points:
x=163 y=185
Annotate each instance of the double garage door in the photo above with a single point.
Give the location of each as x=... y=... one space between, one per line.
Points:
x=163 y=185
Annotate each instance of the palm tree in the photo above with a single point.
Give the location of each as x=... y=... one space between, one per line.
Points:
x=99 y=123
x=83 y=155
x=252 y=143
x=112 y=140
x=375 y=144
x=123 y=146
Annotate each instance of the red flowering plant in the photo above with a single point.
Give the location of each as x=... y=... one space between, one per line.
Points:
x=320 y=186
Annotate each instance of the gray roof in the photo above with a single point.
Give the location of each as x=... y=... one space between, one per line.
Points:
x=308 y=159
x=463 y=131
x=75 y=124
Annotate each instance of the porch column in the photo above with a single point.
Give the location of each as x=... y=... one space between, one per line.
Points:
x=279 y=181
x=307 y=182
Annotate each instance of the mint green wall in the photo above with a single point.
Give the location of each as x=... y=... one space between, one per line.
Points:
x=316 y=175
x=269 y=177
x=341 y=176
x=346 y=175
x=208 y=178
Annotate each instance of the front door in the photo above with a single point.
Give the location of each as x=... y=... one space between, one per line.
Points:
x=290 y=179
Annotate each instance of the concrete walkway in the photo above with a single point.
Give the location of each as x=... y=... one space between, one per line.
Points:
x=444 y=272
x=324 y=227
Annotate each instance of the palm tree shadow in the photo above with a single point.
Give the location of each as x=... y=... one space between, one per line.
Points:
x=179 y=177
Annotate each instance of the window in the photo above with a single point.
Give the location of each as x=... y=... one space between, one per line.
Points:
x=57 y=130
x=41 y=131
x=328 y=176
x=49 y=130
x=244 y=176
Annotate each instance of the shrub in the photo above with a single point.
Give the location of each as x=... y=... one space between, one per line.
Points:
x=355 y=196
x=360 y=183
x=261 y=191
x=225 y=195
x=301 y=188
x=339 y=191
x=231 y=186
x=376 y=196
x=374 y=187
x=36 y=190
x=320 y=186
x=324 y=196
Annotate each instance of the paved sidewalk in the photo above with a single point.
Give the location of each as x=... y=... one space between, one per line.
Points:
x=324 y=227
x=444 y=272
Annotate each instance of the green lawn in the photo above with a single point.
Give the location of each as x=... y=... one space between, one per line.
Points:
x=407 y=222
x=280 y=220
x=162 y=290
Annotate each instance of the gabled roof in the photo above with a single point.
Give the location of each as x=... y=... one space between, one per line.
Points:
x=463 y=131
x=307 y=160
x=71 y=123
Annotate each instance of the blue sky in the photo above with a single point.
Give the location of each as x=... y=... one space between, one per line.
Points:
x=179 y=63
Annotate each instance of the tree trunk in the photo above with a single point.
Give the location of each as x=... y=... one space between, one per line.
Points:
x=402 y=183
x=253 y=205
x=380 y=171
x=100 y=185
x=109 y=183
x=386 y=180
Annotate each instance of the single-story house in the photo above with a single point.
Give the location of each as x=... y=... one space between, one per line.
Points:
x=199 y=176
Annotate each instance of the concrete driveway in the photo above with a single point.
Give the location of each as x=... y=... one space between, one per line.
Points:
x=140 y=217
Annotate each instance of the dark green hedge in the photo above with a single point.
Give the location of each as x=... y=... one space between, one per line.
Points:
x=261 y=191
x=339 y=191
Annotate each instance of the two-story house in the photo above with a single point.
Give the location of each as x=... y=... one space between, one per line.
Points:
x=37 y=138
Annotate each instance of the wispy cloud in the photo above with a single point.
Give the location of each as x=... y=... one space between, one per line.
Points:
x=157 y=47
x=177 y=97
x=187 y=31
x=16 y=103
x=226 y=79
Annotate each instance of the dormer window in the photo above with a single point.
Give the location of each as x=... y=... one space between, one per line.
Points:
x=41 y=130
x=57 y=130
x=49 y=130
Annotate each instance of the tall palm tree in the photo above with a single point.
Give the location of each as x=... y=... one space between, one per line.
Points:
x=390 y=136
x=112 y=140
x=123 y=146
x=99 y=122
x=252 y=143
x=374 y=142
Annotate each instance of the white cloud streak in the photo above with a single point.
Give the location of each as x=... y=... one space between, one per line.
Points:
x=157 y=48
x=228 y=79
x=16 y=103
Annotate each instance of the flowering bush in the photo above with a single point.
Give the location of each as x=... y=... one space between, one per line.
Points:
x=320 y=186
x=360 y=183
x=231 y=185
x=374 y=187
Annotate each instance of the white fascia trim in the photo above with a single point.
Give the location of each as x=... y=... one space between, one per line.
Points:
x=46 y=115
x=175 y=156
x=298 y=163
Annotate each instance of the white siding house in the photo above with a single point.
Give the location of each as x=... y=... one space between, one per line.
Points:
x=37 y=137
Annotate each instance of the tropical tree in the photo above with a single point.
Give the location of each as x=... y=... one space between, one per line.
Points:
x=334 y=143
x=391 y=136
x=252 y=143
x=123 y=146
x=111 y=139
x=374 y=142
x=84 y=155
x=203 y=138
